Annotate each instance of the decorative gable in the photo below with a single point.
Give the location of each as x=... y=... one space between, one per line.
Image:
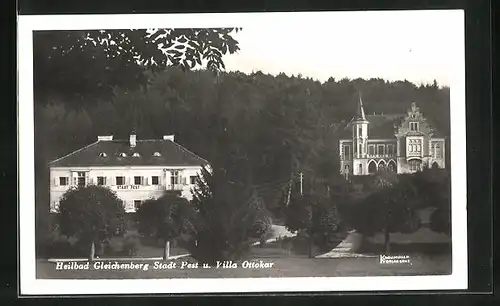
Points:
x=414 y=124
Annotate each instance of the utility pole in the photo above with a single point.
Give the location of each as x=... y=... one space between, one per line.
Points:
x=301 y=179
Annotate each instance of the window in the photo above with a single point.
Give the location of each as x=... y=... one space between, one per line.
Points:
x=102 y=154
x=360 y=131
x=371 y=149
x=439 y=153
x=156 y=154
x=415 y=165
x=347 y=151
x=360 y=149
x=155 y=180
x=101 y=180
x=136 y=154
x=137 y=180
x=63 y=181
x=381 y=166
x=391 y=166
x=81 y=179
x=192 y=179
x=360 y=167
x=123 y=155
x=390 y=149
x=120 y=180
x=414 y=126
x=372 y=167
x=381 y=149
x=174 y=177
x=137 y=204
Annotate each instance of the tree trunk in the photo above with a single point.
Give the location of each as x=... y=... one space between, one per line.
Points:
x=166 y=250
x=310 y=246
x=387 y=242
x=92 y=251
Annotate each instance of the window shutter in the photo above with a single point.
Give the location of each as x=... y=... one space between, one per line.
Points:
x=74 y=180
x=127 y=180
x=56 y=181
x=184 y=180
x=145 y=178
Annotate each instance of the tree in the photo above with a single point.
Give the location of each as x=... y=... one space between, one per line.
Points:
x=90 y=63
x=227 y=217
x=315 y=215
x=389 y=209
x=167 y=218
x=92 y=214
x=434 y=189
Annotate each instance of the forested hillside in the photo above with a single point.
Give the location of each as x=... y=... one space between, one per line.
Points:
x=258 y=127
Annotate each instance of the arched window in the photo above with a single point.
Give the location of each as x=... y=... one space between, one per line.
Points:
x=123 y=155
x=392 y=166
x=360 y=169
x=346 y=169
x=156 y=154
x=381 y=165
x=435 y=165
x=372 y=167
x=102 y=154
x=136 y=154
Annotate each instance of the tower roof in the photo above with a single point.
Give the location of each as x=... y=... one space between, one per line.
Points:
x=360 y=112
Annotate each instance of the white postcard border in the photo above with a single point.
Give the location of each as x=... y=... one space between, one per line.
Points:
x=26 y=187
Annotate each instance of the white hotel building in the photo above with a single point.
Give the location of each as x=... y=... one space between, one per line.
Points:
x=136 y=170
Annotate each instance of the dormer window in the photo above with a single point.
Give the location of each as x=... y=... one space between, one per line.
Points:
x=102 y=154
x=123 y=155
x=156 y=154
x=136 y=154
x=414 y=126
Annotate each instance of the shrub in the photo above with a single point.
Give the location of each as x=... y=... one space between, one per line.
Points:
x=130 y=244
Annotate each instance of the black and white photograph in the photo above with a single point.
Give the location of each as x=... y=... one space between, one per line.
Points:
x=243 y=152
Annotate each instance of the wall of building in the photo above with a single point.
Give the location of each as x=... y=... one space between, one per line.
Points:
x=129 y=192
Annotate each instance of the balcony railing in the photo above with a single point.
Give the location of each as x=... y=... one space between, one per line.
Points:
x=386 y=155
x=176 y=187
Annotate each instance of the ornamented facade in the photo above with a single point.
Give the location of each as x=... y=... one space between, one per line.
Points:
x=136 y=170
x=404 y=143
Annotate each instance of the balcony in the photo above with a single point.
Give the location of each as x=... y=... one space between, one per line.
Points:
x=178 y=187
x=381 y=155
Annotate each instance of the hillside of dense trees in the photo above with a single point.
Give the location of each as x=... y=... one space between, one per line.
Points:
x=257 y=127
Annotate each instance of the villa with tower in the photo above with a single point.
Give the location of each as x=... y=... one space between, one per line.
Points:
x=403 y=143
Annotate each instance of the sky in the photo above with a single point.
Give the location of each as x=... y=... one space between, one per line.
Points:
x=419 y=46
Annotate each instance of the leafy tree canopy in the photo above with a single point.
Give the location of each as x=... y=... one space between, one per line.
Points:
x=83 y=65
x=166 y=217
x=93 y=214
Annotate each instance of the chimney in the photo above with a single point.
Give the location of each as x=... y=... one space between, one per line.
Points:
x=169 y=137
x=133 y=140
x=105 y=138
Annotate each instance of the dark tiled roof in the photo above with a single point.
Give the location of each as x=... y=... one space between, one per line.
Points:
x=172 y=154
x=380 y=126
